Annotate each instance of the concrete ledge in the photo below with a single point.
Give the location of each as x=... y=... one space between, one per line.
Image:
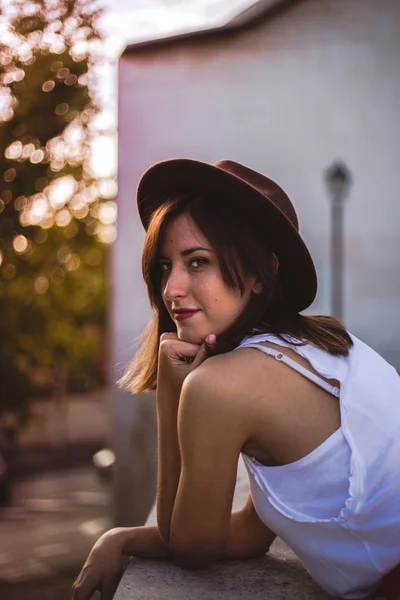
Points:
x=277 y=576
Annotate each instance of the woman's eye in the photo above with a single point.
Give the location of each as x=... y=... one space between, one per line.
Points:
x=198 y=262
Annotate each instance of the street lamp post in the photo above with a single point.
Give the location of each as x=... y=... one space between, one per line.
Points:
x=338 y=179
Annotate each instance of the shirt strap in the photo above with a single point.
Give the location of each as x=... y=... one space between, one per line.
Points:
x=294 y=365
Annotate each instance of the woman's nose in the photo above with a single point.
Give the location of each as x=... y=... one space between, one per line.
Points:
x=176 y=285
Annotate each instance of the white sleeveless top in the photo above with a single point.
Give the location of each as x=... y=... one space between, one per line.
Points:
x=338 y=507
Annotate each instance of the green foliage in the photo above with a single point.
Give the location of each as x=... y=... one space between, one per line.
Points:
x=53 y=262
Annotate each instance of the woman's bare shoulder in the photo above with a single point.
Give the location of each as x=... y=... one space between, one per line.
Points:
x=241 y=372
x=230 y=387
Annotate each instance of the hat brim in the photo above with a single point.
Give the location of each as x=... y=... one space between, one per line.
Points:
x=174 y=177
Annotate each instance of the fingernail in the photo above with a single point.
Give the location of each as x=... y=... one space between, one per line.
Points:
x=210 y=339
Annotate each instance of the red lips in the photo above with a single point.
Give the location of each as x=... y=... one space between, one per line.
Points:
x=182 y=313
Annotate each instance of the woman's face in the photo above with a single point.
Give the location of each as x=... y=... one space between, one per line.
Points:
x=193 y=290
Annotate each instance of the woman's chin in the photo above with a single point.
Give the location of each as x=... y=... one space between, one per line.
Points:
x=191 y=335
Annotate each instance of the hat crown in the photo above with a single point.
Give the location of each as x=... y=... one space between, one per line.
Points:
x=265 y=186
x=181 y=176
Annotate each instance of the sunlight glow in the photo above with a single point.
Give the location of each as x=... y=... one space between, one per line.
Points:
x=38 y=209
x=60 y=200
x=106 y=233
x=103 y=156
x=61 y=190
x=107 y=213
x=152 y=19
x=107 y=188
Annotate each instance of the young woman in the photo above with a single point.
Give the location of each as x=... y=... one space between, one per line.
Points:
x=237 y=369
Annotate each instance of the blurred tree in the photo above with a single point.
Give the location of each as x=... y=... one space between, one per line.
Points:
x=56 y=218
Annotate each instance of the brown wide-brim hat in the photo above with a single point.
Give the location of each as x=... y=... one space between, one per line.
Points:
x=171 y=178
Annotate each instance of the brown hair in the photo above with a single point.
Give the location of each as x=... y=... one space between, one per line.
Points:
x=241 y=243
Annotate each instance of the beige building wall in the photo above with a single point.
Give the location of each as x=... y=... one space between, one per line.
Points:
x=317 y=82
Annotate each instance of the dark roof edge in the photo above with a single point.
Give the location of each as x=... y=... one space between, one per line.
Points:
x=252 y=13
x=247 y=18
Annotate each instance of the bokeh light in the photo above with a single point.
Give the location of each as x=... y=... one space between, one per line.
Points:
x=63 y=254
x=62 y=73
x=81 y=213
x=61 y=190
x=9 y=271
x=21 y=202
x=47 y=223
x=41 y=284
x=106 y=233
x=71 y=79
x=107 y=188
x=59 y=200
x=48 y=85
x=107 y=213
x=38 y=209
x=71 y=230
x=27 y=150
x=18 y=74
x=20 y=244
x=6 y=196
x=10 y=175
x=62 y=109
x=13 y=151
x=72 y=262
x=63 y=217
x=37 y=156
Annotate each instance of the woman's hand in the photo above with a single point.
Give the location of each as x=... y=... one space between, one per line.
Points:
x=177 y=358
x=102 y=569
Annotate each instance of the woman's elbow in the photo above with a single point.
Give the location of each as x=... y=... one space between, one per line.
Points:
x=188 y=557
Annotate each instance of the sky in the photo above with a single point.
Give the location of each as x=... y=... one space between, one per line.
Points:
x=140 y=20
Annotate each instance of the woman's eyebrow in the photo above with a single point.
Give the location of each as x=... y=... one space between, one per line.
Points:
x=190 y=251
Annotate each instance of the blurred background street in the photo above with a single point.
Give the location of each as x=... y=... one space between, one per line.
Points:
x=60 y=504
x=48 y=531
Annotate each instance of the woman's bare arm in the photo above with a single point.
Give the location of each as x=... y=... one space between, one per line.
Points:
x=171 y=375
x=248 y=538
x=201 y=435
x=214 y=423
x=169 y=458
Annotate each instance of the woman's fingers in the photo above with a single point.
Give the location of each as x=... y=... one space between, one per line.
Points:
x=176 y=349
x=109 y=587
x=168 y=336
x=203 y=351
x=83 y=590
x=102 y=569
x=178 y=358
